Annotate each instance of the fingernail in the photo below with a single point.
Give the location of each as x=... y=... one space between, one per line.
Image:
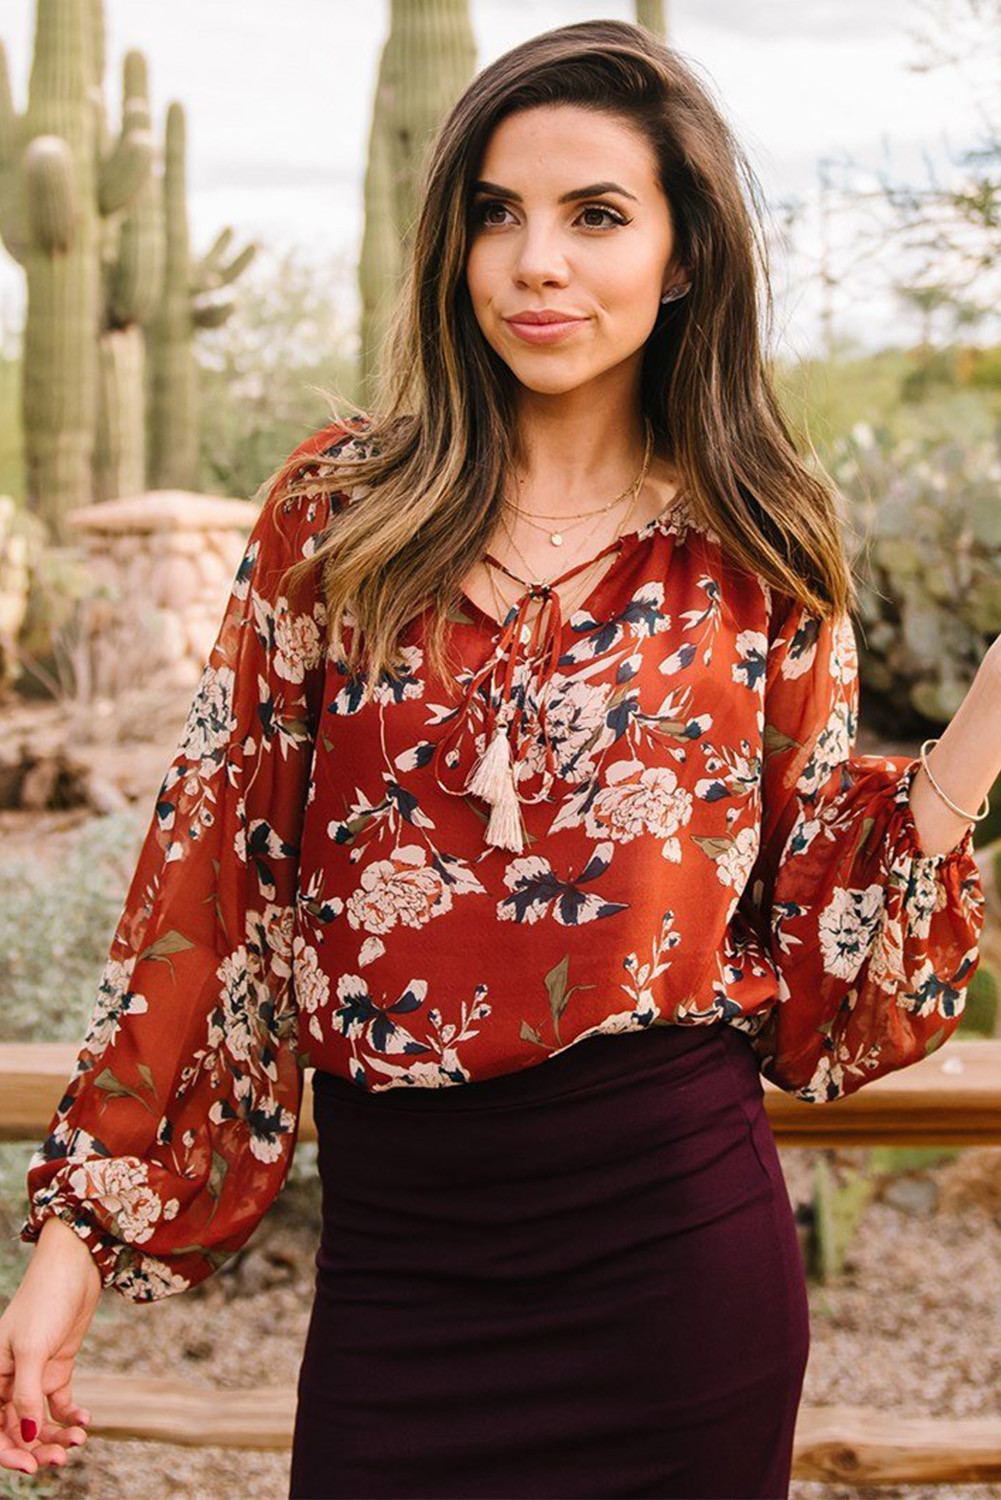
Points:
x=28 y=1429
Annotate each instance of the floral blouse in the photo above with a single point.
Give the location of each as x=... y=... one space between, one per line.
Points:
x=317 y=888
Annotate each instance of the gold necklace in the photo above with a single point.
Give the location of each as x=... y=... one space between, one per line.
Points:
x=577 y=518
x=636 y=486
x=566 y=608
x=503 y=607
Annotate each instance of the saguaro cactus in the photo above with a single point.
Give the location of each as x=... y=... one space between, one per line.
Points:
x=132 y=285
x=652 y=15
x=428 y=59
x=381 y=250
x=58 y=183
x=186 y=305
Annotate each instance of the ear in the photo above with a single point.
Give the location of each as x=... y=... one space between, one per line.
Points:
x=675 y=276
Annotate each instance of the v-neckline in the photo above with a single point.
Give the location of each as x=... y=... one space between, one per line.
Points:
x=626 y=542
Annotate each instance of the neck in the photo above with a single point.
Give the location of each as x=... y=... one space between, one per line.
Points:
x=568 y=460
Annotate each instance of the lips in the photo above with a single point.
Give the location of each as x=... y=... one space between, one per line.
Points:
x=545 y=317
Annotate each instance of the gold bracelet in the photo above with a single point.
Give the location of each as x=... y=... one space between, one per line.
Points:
x=976 y=817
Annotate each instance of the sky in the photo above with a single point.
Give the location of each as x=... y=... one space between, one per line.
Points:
x=279 y=99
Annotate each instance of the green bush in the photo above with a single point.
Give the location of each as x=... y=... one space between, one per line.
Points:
x=56 y=925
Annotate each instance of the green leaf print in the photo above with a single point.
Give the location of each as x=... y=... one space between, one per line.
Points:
x=112 y=1087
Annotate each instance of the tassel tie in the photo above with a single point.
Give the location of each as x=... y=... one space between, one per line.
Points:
x=493 y=775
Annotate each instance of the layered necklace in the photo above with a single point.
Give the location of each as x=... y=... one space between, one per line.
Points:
x=535 y=641
x=575 y=519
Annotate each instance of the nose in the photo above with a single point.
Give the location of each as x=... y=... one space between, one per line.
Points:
x=539 y=256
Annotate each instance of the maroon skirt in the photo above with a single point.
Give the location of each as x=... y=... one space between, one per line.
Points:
x=580 y=1279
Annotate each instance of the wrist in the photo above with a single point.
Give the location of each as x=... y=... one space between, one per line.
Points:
x=59 y=1243
x=989 y=671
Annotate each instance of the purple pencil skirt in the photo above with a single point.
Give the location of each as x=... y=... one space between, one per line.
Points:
x=580 y=1279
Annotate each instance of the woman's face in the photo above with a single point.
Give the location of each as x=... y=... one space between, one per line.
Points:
x=604 y=257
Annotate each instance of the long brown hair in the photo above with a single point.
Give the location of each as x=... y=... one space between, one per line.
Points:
x=441 y=434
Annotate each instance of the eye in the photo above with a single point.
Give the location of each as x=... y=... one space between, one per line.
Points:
x=483 y=208
x=487 y=206
x=600 y=208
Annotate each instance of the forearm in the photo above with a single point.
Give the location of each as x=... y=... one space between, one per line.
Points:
x=966 y=762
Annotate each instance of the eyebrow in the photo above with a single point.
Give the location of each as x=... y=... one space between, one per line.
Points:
x=593 y=191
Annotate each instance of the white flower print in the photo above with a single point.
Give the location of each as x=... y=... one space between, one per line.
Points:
x=229 y=1023
x=886 y=960
x=445 y=1068
x=404 y=682
x=371 y=949
x=801 y=648
x=844 y=664
x=405 y=889
x=278 y=923
x=269 y=1122
x=210 y=722
x=752 y=654
x=641 y=799
x=830 y=750
x=359 y=1016
x=297 y=642
x=847 y=926
x=114 y=1003
x=538 y=892
x=735 y=859
x=574 y=717
x=312 y=984
x=122 y=1185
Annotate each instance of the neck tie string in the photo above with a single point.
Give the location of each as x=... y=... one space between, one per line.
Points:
x=492 y=777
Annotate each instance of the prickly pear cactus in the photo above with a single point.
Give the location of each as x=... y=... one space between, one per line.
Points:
x=59 y=182
x=980 y=1009
x=838 y=1210
x=925 y=542
x=186 y=305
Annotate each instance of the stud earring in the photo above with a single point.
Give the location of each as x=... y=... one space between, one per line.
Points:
x=676 y=292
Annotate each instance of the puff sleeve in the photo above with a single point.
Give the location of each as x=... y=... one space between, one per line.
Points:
x=177 y=1128
x=873 y=942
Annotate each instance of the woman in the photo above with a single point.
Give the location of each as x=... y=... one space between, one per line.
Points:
x=540 y=879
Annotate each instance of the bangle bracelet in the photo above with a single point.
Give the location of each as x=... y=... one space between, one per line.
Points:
x=976 y=817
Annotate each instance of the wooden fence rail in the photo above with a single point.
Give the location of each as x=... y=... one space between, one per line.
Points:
x=833 y=1444
x=951 y=1098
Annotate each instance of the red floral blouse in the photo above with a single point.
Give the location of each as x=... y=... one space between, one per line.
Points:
x=692 y=842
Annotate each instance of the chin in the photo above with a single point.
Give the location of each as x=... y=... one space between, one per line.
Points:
x=552 y=384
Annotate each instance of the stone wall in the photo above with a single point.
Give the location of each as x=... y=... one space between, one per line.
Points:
x=14 y=580
x=162 y=566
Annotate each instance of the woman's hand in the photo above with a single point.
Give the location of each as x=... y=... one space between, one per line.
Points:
x=41 y=1330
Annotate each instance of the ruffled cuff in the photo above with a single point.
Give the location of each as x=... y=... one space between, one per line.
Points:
x=907 y=841
x=104 y=1248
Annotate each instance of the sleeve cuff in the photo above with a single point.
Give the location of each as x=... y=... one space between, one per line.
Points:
x=103 y=1248
x=907 y=841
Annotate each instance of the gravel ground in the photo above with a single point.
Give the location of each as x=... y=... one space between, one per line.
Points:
x=912 y=1326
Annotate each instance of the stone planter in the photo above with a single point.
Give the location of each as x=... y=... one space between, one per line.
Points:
x=14 y=580
x=162 y=565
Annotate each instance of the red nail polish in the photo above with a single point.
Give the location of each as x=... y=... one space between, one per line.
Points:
x=28 y=1429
